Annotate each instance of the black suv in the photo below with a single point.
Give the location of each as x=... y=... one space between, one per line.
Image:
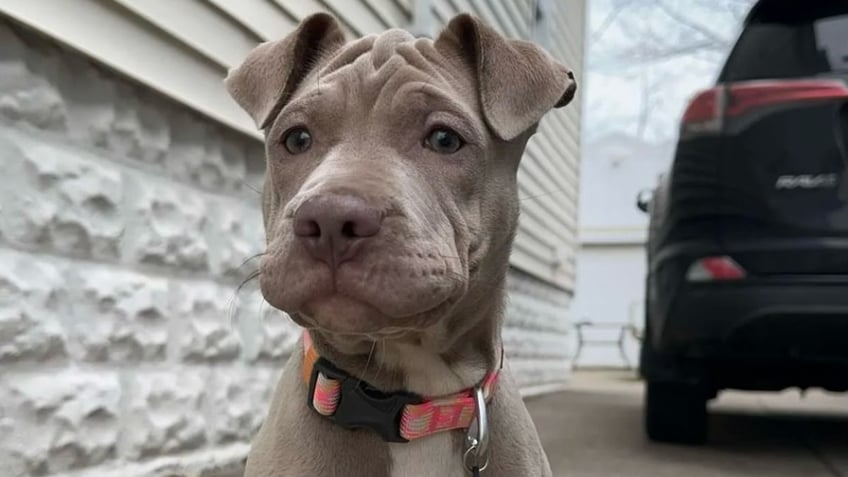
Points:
x=748 y=242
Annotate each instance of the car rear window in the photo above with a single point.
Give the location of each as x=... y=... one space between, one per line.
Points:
x=782 y=40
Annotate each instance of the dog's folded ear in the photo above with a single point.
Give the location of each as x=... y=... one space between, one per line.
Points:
x=518 y=81
x=269 y=75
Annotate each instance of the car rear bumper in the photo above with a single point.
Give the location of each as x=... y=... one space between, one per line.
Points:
x=801 y=318
x=759 y=334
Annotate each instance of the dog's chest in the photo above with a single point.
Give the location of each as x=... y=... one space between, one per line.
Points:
x=438 y=455
x=433 y=456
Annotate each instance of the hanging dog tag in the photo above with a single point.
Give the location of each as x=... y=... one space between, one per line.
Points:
x=476 y=456
x=473 y=467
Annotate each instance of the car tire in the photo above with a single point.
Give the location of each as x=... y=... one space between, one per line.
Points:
x=646 y=348
x=675 y=413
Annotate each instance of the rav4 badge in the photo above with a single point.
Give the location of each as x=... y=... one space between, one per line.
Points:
x=807 y=181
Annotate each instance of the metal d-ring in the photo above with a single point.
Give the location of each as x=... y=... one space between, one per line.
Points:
x=476 y=455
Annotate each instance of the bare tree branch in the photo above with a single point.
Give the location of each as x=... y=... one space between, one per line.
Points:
x=692 y=24
x=608 y=21
x=646 y=44
x=655 y=55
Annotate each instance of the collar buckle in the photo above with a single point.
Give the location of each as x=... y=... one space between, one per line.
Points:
x=362 y=406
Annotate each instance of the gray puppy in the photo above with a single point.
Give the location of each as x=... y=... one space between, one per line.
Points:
x=390 y=206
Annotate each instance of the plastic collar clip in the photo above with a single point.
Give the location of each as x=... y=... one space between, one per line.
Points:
x=362 y=406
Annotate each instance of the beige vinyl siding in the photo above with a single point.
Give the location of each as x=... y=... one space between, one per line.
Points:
x=549 y=176
x=392 y=13
x=146 y=51
x=183 y=49
x=261 y=17
x=194 y=24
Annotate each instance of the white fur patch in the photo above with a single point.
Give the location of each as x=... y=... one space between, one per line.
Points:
x=432 y=456
x=428 y=375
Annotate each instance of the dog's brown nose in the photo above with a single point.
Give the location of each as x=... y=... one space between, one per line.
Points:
x=332 y=227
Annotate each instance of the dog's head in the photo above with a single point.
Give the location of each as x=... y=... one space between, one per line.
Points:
x=390 y=198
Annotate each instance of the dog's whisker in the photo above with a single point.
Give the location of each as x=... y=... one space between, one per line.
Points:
x=382 y=358
x=367 y=362
x=244 y=262
x=455 y=275
x=253 y=275
x=232 y=309
x=355 y=334
x=231 y=306
x=251 y=187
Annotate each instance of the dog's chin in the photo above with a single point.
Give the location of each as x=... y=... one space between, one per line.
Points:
x=338 y=313
x=341 y=314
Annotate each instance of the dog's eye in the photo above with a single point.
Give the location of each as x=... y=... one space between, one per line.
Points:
x=443 y=141
x=297 y=140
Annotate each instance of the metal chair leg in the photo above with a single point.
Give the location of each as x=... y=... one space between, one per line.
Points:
x=621 y=339
x=576 y=357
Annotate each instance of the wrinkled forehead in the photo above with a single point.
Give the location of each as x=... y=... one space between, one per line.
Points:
x=384 y=67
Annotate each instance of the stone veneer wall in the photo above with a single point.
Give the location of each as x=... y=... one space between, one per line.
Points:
x=124 y=224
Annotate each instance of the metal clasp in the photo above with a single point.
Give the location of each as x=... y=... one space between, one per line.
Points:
x=476 y=456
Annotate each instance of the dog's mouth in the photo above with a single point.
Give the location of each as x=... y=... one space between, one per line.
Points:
x=372 y=313
x=383 y=293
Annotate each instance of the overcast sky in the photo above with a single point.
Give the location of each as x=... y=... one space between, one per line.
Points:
x=646 y=58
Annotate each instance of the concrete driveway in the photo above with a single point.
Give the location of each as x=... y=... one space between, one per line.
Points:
x=594 y=429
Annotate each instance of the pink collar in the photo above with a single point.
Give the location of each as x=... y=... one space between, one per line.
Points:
x=397 y=416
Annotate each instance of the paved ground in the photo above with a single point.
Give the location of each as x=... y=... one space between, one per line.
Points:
x=594 y=429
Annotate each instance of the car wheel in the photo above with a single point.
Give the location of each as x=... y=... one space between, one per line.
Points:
x=675 y=413
x=646 y=349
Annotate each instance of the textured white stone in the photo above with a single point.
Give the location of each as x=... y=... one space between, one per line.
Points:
x=536 y=337
x=24 y=95
x=31 y=299
x=58 y=199
x=279 y=335
x=167 y=225
x=267 y=333
x=239 y=398
x=118 y=316
x=163 y=414
x=90 y=102
x=205 y=328
x=237 y=237
x=219 y=461
x=139 y=130
x=531 y=313
x=58 y=421
x=200 y=154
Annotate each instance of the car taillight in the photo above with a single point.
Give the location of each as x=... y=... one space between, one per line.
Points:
x=708 y=109
x=705 y=112
x=715 y=269
x=744 y=97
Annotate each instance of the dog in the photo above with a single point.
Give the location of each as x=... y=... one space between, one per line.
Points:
x=390 y=206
